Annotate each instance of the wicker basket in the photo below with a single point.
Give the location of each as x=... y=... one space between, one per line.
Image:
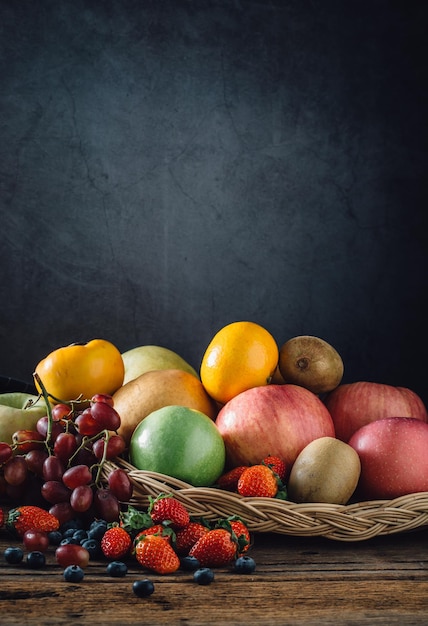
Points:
x=352 y=522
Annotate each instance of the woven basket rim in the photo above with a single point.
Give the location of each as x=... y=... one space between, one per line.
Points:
x=356 y=521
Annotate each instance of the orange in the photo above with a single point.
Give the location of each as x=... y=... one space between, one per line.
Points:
x=240 y=356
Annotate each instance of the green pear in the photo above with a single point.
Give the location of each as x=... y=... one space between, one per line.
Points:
x=18 y=411
x=144 y=359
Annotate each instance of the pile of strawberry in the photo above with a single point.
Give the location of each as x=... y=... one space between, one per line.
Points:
x=166 y=534
x=264 y=480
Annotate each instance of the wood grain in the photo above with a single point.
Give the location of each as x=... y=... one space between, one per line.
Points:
x=297 y=581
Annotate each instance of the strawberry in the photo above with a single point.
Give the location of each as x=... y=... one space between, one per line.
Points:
x=258 y=480
x=23 y=518
x=215 y=548
x=239 y=530
x=229 y=480
x=163 y=530
x=115 y=542
x=186 y=537
x=156 y=554
x=167 y=508
x=277 y=465
x=1 y=517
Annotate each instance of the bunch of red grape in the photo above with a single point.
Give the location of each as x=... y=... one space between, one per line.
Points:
x=59 y=464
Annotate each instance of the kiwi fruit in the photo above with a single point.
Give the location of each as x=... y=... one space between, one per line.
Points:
x=310 y=362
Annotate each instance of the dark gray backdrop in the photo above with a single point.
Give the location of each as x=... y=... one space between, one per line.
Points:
x=170 y=166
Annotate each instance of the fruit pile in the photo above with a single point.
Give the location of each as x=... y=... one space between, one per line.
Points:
x=162 y=540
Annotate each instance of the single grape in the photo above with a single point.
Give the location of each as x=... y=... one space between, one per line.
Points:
x=65 y=446
x=54 y=492
x=106 y=505
x=42 y=428
x=102 y=397
x=36 y=540
x=105 y=415
x=81 y=498
x=87 y=425
x=26 y=440
x=53 y=468
x=120 y=485
x=76 y=476
x=61 y=411
x=115 y=447
x=35 y=461
x=63 y=512
x=72 y=554
x=6 y=452
x=15 y=471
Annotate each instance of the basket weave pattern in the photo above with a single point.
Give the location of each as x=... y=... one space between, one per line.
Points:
x=352 y=522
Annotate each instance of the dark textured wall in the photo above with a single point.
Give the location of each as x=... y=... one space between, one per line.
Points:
x=170 y=166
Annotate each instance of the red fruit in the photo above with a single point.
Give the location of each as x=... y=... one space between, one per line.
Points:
x=276 y=464
x=1 y=518
x=61 y=411
x=36 y=540
x=166 y=508
x=106 y=505
x=87 y=425
x=242 y=534
x=156 y=554
x=216 y=548
x=116 y=542
x=354 y=405
x=76 y=476
x=29 y=517
x=106 y=416
x=54 y=491
x=63 y=511
x=65 y=446
x=229 y=480
x=186 y=537
x=115 y=446
x=157 y=529
x=258 y=481
x=26 y=440
x=120 y=485
x=81 y=498
x=72 y=554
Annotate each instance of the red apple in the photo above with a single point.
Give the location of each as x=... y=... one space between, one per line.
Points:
x=394 y=458
x=273 y=419
x=353 y=405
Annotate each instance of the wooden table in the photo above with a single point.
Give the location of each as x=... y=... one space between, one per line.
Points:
x=297 y=581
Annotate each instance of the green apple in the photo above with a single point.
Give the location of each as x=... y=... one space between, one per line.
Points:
x=144 y=359
x=18 y=411
x=179 y=442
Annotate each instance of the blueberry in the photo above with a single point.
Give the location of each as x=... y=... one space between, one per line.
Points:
x=36 y=559
x=117 y=569
x=55 y=537
x=73 y=574
x=13 y=555
x=245 y=565
x=68 y=540
x=80 y=535
x=72 y=524
x=189 y=563
x=203 y=576
x=143 y=588
x=93 y=547
x=97 y=529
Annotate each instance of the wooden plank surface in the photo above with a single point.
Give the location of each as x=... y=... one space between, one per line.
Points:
x=297 y=581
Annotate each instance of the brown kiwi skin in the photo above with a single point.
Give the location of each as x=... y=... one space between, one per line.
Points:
x=311 y=362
